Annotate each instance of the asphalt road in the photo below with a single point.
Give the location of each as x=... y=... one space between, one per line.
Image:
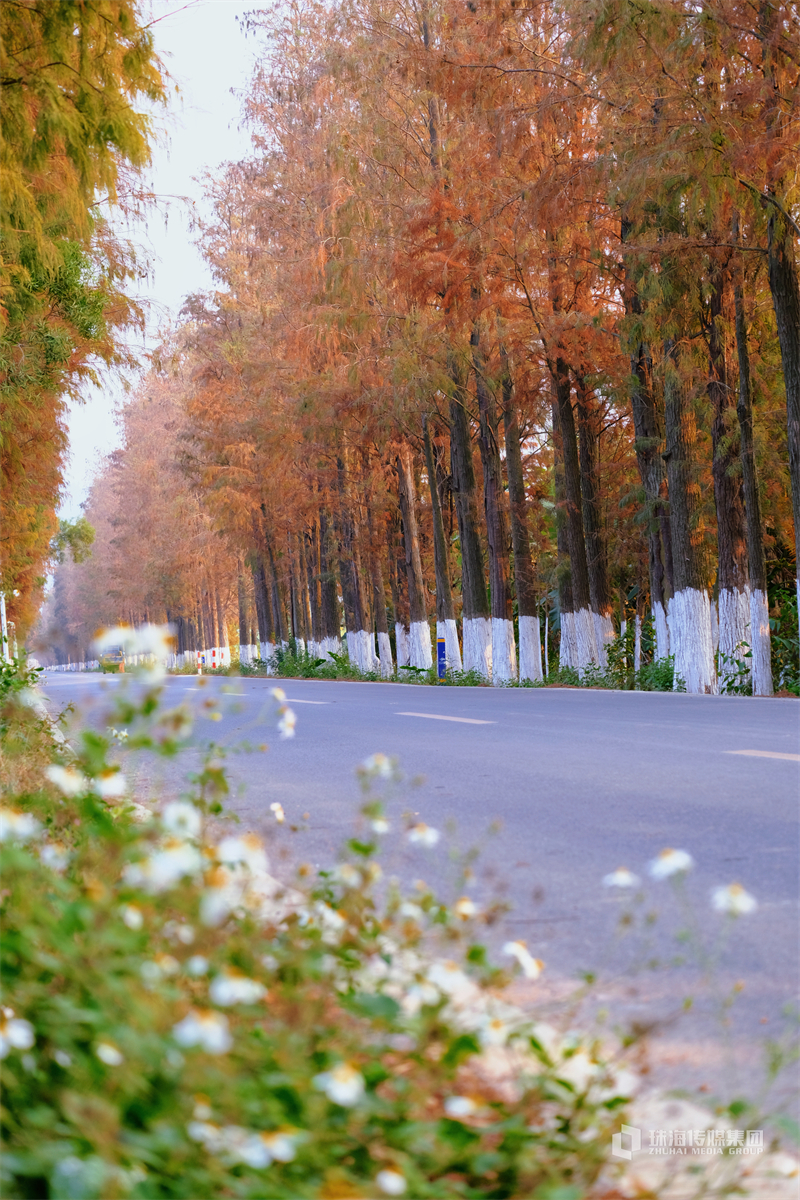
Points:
x=578 y=781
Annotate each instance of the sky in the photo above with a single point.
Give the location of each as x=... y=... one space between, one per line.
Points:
x=207 y=56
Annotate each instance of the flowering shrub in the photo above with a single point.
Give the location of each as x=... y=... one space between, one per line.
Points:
x=179 y=1024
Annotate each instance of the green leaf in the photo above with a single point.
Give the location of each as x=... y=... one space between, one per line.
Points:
x=376 y=1007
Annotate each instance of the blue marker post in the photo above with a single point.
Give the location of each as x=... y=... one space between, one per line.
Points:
x=441 y=658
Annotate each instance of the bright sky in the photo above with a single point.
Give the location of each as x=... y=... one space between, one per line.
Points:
x=207 y=55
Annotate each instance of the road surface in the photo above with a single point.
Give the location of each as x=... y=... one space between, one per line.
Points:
x=579 y=782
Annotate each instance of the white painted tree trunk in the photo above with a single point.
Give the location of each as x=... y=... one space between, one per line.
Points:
x=478 y=645
x=637 y=646
x=662 y=631
x=385 y=655
x=419 y=645
x=714 y=625
x=585 y=639
x=530 y=649
x=734 y=628
x=267 y=651
x=449 y=631
x=401 y=642
x=328 y=646
x=361 y=648
x=546 y=644
x=568 y=654
x=761 y=662
x=689 y=616
x=603 y=634
x=504 y=652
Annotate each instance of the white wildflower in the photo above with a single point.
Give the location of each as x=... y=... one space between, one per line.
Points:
x=279 y=694
x=277 y=809
x=465 y=908
x=621 y=878
x=132 y=916
x=17 y=826
x=579 y=1070
x=451 y=980
x=164 y=867
x=531 y=967
x=111 y=785
x=197 y=965
x=343 y=1085
x=459 y=1106
x=380 y=825
x=378 y=764
x=204 y=1028
x=62 y=1058
x=493 y=1030
x=15 y=1032
x=109 y=1054
x=733 y=900
x=247 y=850
x=287 y=723
x=418 y=996
x=412 y=911
x=153 y=970
x=232 y=988
x=670 y=862
x=55 y=856
x=182 y=819
x=390 y=1182
x=68 y=780
x=153 y=640
x=347 y=874
x=179 y=931
x=423 y=835
x=282 y=1144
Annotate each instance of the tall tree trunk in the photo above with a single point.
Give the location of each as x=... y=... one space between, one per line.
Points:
x=783 y=284
x=734 y=593
x=266 y=635
x=222 y=631
x=568 y=650
x=585 y=639
x=589 y=429
x=689 y=609
x=275 y=596
x=331 y=617
x=476 y=622
x=244 y=632
x=379 y=599
x=399 y=585
x=530 y=650
x=504 y=651
x=419 y=633
x=445 y=610
x=648 y=427
x=310 y=563
x=359 y=635
x=760 y=642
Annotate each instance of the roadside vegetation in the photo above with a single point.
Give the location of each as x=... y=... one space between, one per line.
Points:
x=177 y=1022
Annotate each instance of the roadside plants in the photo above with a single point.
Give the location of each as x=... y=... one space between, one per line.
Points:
x=177 y=1022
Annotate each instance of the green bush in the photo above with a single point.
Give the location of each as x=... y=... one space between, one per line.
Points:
x=177 y=1024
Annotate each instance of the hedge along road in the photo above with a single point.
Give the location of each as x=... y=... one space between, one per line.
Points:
x=580 y=781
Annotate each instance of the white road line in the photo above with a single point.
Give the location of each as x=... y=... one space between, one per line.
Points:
x=765 y=754
x=291 y=700
x=439 y=717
